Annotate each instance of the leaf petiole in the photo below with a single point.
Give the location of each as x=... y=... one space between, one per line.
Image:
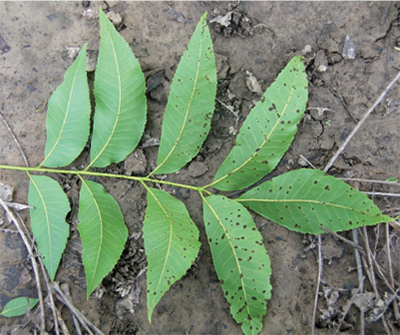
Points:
x=81 y=173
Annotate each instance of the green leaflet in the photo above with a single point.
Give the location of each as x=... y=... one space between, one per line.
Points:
x=48 y=224
x=17 y=306
x=240 y=260
x=102 y=230
x=304 y=200
x=171 y=243
x=267 y=131
x=190 y=104
x=68 y=116
x=119 y=91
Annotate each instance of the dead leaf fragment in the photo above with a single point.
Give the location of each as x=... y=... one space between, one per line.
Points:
x=381 y=306
x=223 y=20
x=6 y=192
x=253 y=84
x=90 y=13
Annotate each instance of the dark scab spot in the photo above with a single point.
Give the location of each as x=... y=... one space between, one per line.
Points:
x=264 y=162
x=327 y=188
x=262 y=99
x=210 y=240
x=350 y=222
x=282 y=122
x=315 y=181
x=253 y=298
x=245 y=226
x=298 y=111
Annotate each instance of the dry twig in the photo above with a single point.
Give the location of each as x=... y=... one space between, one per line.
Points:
x=15 y=140
x=82 y=319
x=32 y=258
x=361 y=122
x=360 y=280
x=320 y=269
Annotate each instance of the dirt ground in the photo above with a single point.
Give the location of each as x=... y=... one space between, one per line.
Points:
x=261 y=39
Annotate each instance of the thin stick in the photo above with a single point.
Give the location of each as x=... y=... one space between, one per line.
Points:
x=50 y=295
x=62 y=323
x=353 y=244
x=76 y=324
x=84 y=321
x=371 y=266
x=33 y=261
x=15 y=140
x=320 y=267
x=67 y=302
x=360 y=123
x=384 y=182
x=389 y=255
x=360 y=279
x=382 y=276
x=308 y=162
x=395 y=307
x=45 y=276
x=382 y=194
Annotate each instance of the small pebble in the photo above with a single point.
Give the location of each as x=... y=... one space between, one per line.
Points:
x=306 y=49
x=322 y=68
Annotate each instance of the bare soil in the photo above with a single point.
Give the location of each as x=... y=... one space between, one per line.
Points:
x=261 y=39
